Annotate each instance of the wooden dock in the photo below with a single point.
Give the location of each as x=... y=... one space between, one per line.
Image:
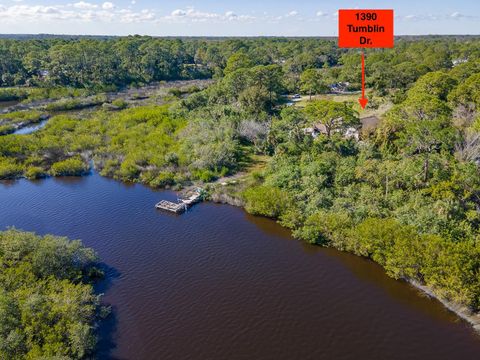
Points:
x=176 y=208
x=192 y=197
x=188 y=199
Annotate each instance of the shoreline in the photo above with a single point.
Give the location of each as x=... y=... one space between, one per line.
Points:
x=460 y=310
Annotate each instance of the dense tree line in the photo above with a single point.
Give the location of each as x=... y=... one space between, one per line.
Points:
x=138 y=60
x=407 y=197
x=115 y=62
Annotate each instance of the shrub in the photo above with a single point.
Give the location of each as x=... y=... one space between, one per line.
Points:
x=12 y=94
x=175 y=92
x=73 y=104
x=34 y=172
x=47 y=302
x=109 y=167
x=69 y=167
x=267 y=201
x=13 y=120
x=6 y=129
x=29 y=115
x=128 y=170
x=204 y=175
x=9 y=169
x=163 y=179
x=325 y=228
x=119 y=103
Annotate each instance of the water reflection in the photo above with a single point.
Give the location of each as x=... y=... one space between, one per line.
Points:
x=31 y=128
x=368 y=271
x=216 y=283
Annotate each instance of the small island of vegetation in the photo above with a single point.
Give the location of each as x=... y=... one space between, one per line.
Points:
x=48 y=307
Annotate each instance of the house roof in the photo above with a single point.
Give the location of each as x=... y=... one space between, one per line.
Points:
x=320 y=128
x=370 y=122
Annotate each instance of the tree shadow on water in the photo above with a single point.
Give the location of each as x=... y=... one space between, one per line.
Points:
x=107 y=326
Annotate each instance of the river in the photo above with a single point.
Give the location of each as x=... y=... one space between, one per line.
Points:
x=217 y=283
x=31 y=128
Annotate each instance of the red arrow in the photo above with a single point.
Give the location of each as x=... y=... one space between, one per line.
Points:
x=363 y=100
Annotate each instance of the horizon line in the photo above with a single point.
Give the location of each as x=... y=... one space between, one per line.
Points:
x=216 y=36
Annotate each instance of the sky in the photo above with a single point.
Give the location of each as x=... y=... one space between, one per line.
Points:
x=228 y=18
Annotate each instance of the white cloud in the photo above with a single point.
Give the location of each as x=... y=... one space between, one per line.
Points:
x=128 y=16
x=95 y=13
x=83 y=11
x=84 y=5
x=29 y=12
x=178 y=13
x=108 y=6
x=190 y=14
x=231 y=15
x=79 y=12
x=412 y=17
x=436 y=17
x=458 y=15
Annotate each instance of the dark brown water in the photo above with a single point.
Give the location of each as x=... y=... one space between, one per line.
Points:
x=216 y=283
